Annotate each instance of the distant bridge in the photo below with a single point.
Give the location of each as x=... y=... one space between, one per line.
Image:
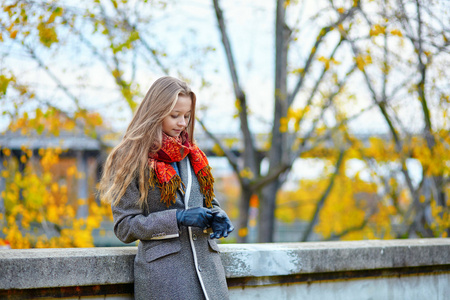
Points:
x=72 y=142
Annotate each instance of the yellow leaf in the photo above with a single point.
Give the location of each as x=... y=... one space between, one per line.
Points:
x=55 y=187
x=6 y=151
x=13 y=34
x=246 y=173
x=243 y=232
x=237 y=104
x=396 y=32
x=47 y=35
x=217 y=150
x=377 y=29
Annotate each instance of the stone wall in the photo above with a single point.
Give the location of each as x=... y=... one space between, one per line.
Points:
x=393 y=269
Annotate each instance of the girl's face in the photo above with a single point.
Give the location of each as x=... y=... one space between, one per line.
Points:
x=178 y=118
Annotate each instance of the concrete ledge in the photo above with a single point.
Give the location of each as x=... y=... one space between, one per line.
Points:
x=258 y=260
x=42 y=268
x=271 y=263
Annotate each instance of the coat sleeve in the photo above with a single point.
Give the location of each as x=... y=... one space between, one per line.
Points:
x=216 y=205
x=131 y=223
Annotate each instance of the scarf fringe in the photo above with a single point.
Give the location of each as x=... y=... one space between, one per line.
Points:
x=174 y=150
x=168 y=189
x=206 y=181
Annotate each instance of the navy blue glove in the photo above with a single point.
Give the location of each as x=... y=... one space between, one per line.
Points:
x=221 y=225
x=197 y=217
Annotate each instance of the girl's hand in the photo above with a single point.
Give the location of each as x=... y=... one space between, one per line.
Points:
x=197 y=217
x=221 y=225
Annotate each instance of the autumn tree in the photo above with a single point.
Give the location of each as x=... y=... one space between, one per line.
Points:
x=328 y=58
x=63 y=66
x=403 y=58
x=77 y=49
x=402 y=51
x=302 y=105
x=384 y=45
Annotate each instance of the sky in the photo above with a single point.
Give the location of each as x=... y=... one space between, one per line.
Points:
x=251 y=30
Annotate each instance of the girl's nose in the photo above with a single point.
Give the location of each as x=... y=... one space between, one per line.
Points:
x=182 y=122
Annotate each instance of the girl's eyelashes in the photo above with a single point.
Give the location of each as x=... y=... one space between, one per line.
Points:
x=177 y=116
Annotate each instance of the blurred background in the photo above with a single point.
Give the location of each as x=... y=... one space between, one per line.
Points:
x=322 y=120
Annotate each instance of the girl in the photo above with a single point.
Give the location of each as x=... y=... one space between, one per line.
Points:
x=160 y=188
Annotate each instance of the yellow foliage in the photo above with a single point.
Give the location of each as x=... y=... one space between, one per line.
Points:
x=362 y=61
x=328 y=62
x=283 y=124
x=381 y=150
x=432 y=159
x=353 y=202
x=49 y=121
x=13 y=34
x=346 y=207
x=6 y=151
x=292 y=119
x=35 y=205
x=246 y=173
x=238 y=106
x=377 y=29
x=243 y=232
x=71 y=171
x=217 y=150
x=47 y=34
x=441 y=218
x=396 y=32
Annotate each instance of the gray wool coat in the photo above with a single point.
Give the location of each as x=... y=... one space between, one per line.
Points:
x=171 y=262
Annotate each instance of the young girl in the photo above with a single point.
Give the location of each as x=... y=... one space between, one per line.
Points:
x=160 y=188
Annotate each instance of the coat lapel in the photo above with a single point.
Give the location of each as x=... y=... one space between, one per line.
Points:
x=194 y=199
x=182 y=168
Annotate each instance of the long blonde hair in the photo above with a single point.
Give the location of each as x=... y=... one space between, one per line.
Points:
x=128 y=160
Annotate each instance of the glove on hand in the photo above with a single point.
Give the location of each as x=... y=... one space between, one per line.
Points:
x=197 y=217
x=221 y=225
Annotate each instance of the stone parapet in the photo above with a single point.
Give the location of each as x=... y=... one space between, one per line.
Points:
x=257 y=260
x=109 y=271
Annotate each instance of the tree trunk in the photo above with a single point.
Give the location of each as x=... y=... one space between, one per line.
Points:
x=268 y=196
x=244 y=206
x=267 y=206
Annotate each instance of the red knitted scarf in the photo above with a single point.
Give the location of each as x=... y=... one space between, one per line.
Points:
x=174 y=149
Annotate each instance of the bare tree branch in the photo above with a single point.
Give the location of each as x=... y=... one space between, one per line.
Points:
x=381 y=104
x=58 y=82
x=232 y=159
x=323 y=198
x=273 y=174
x=146 y=45
x=340 y=86
x=313 y=52
x=249 y=146
x=317 y=84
